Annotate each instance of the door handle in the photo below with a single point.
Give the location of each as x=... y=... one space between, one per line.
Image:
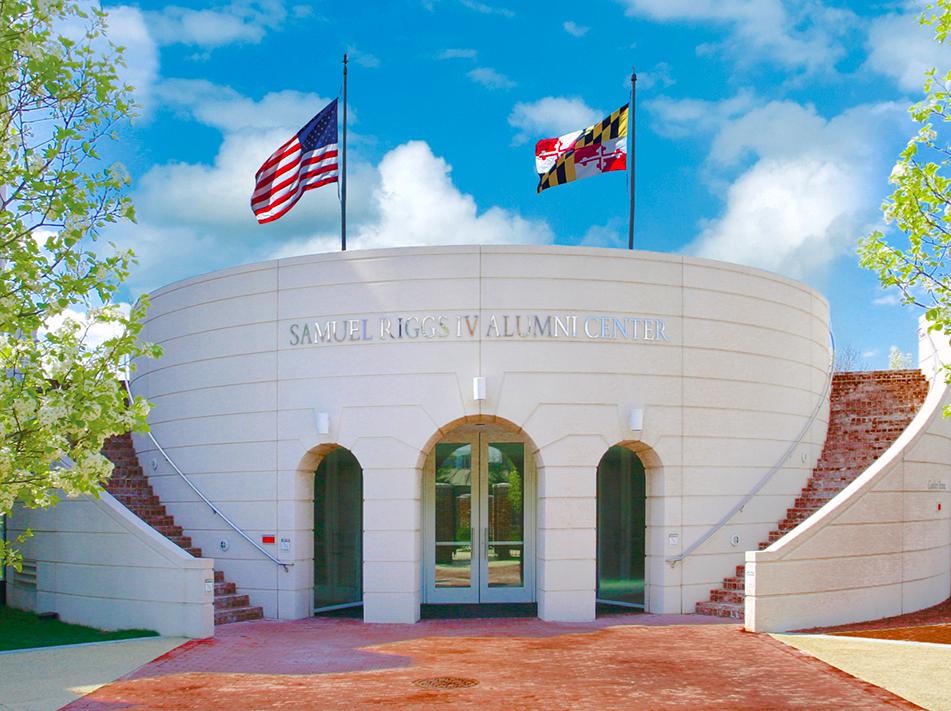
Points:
x=485 y=542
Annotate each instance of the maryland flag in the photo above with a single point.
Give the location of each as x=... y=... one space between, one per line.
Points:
x=597 y=149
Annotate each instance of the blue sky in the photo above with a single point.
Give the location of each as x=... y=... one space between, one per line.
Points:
x=766 y=130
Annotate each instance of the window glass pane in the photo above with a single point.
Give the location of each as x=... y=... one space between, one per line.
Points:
x=506 y=468
x=453 y=529
x=622 y=499
x=338 y=530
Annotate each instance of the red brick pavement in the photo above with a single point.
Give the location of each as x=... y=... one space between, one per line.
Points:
x=937 y=615
x=628 y=662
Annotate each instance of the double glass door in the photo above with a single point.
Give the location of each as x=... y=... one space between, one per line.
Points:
x=479 y=519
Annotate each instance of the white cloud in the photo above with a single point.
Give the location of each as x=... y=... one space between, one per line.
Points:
x=224 y=108
x=870 y=353
x=93 y=334
x=457 y=54
x=606 y=235
x=677 y=118
x=804 y=35
x=243 y=21
x=903 y=50
x=416 y=203
x=127 y=28
x=491 y=79
x=363 y=59
x=804 y=199
x=785 y=216
x=484 y=9
x=890 y=299
x=574 y=29
x=551 y=116
x=195 y=216
x=659 y=75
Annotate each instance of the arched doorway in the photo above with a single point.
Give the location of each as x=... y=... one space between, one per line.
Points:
x=478 y=505
x=622 y=518
x=338 y=532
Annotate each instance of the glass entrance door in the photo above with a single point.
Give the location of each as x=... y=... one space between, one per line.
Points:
x=622 y=509
x=338 y=532
x=479 y=519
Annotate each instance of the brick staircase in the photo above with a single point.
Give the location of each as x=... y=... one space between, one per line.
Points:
x=868 y=411
x=132 y=488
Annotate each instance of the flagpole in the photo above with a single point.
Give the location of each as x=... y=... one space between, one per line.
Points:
x=630 y=224
x=343 y=177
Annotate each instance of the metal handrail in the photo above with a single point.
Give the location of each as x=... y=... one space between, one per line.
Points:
x=232 y=524
x=769 y=475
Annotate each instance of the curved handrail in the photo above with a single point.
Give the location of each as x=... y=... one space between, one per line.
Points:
x=232 y=524
x=740 y=505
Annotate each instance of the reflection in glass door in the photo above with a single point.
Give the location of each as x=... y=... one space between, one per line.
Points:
x=453 y=519
x=504 y=516
x=338 y=532
x=478 y=490
x=622 y=499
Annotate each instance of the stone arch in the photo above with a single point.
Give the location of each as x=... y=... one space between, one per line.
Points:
x=487 y=508
x=335 y=478
x=477 y=420
x=626 y=474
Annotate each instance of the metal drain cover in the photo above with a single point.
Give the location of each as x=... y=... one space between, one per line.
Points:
x=446 y=682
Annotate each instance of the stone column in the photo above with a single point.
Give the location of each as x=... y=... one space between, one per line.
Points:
x=567 y=542
x=391 y=545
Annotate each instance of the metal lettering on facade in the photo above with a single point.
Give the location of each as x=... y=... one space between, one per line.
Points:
x=476 y=326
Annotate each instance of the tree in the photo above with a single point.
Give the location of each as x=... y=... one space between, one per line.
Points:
x=848 y=359
x=915 y=261
x=898 y=360
x=60 y=393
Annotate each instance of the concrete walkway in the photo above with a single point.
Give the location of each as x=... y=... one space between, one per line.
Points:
x=919 y=672
x=636 y=661
x=46 y=679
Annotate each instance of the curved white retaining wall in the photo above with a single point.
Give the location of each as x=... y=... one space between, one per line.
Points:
x=882 y=547
x=738 y=371
x=100 y=565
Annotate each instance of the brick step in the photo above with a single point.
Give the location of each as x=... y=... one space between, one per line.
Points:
x=130 y=482
x=127 y=472
x=157 y=521
x=726 y=596
x=148 y=510
x=224 y=588
x=181 y=541
x=123 y=460
x=140 y=500
x=721 y=609
x=239 y=614
x=132 y=492
x=170 y=530
x=231 y=600
x=812 y=503
x=734 y=584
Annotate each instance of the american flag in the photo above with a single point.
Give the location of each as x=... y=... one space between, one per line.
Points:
x=307 y=161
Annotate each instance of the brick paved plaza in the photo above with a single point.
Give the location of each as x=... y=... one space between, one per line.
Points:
x=621 y=662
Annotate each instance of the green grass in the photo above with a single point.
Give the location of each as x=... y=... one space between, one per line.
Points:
x=23 y=630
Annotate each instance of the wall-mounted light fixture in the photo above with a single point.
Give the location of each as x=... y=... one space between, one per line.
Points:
x=323 y=422
x=478 y=387
x=636 y=419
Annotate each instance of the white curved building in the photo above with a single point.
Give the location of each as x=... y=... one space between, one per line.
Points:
x=412 y=428
x=703 y=371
